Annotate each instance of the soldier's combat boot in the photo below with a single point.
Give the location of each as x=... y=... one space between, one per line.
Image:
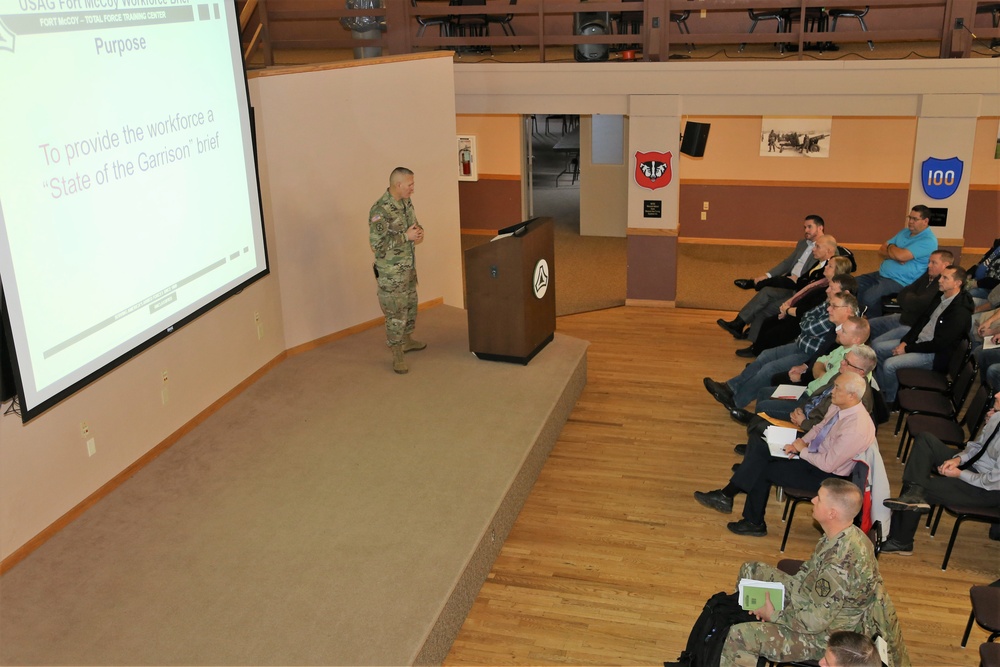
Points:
x=411 y=345
x=398 y=364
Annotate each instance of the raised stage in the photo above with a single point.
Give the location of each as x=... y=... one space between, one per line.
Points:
x=334 y=513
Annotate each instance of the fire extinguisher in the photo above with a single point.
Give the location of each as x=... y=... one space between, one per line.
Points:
x=465 y=159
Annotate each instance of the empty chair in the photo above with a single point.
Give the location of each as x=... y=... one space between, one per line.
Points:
x=781 y=16
x=474 y=25
x=994 y=9
x=441 y=22
x=948 y=431
x=963 y=513
x=631 y=23
x=847 y=13
x=918 y=401
x=985 y=610
x=680 y=18
x=504 y=21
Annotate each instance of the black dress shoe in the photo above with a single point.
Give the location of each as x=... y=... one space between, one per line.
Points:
x=744 y=283
x=746 y=352
x=740 y=449
x=734 y=328
x=744 y=527
x=741 y=416
x=716 y=500
x=913 y=501
x=719 y=392
x=736 y=466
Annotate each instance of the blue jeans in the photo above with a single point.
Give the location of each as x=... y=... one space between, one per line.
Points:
x=881 y=325
x=993 y=377
x=986 y=359
x=871 y=288
x=758 y=374
x=888 y=365
x=894 y=335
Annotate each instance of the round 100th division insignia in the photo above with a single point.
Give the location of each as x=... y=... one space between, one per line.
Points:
x=540 y=279
x=823 y=587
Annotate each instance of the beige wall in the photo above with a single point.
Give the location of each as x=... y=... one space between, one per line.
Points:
x=318 y=178
x=985 y=168
x=44 y=467
x=498 y=142
x=862 y=150
x=323 y=177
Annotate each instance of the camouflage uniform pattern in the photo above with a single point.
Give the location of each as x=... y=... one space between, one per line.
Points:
x=839 y=588
x=388 y=221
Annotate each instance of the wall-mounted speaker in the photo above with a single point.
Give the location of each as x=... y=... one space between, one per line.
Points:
x=591 y=23
x=695 y=138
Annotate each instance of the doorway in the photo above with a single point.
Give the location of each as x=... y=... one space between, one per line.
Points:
x=590 y=270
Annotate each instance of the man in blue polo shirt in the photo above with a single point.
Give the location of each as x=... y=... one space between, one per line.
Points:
x=904 y=259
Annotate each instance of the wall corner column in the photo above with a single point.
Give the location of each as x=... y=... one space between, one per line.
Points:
x=654 y=125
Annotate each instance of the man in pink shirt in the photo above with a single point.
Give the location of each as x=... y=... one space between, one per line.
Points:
x=827 y=450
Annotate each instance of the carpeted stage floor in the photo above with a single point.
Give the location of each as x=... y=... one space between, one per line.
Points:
x=333 y=514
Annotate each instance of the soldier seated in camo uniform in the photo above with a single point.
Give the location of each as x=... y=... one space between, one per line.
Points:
x=839 y=588
x=393 y=230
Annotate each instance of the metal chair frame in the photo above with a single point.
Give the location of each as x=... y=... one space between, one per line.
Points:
x=962 y=514
x=835 y=14
x=782 y=16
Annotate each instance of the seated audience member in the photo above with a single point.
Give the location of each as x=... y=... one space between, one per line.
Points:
x=851 y=356
x=766 y=301
x=850 y=649
x=810 y=410
x=932 y=339
x=838 y=588
x=986 y=329
x=970 y=477
x=817 y=337
x=787 y=316
x=984 y=275
x=912 y=299
x=801 y=260
x=852 y=332
x=783 y=327
x=904 y=258
x=827 y=450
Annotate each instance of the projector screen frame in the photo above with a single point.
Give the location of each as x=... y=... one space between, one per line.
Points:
x=246 y=128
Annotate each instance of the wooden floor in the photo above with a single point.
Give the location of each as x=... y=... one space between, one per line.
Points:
x=611 y=559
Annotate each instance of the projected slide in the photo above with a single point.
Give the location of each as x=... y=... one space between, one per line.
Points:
x=128 y=191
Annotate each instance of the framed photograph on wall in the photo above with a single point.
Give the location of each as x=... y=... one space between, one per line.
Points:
x=467 y=162
x=795 y=137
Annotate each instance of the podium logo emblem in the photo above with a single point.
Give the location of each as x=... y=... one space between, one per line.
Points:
x=652 y=170
x=940 y=178
x=540 y=279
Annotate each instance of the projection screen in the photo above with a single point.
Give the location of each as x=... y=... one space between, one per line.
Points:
x=129 y=197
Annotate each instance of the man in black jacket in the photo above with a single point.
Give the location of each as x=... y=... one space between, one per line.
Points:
x=932 y=339
x=912 y=299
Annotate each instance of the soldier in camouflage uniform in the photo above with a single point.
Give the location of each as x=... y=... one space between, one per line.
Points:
x=393 y=230
x=839 y=588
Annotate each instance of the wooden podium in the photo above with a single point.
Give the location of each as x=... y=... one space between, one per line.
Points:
x=510 y=293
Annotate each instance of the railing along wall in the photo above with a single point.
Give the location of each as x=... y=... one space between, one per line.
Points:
x=551 y=27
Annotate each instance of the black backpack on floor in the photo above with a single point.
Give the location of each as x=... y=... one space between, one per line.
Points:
x=704 y=646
